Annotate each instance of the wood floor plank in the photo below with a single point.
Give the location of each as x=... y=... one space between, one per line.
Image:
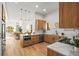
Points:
x=13 y=48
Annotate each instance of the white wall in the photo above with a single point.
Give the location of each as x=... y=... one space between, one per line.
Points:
x=27 y=20
x=30 y=20
x=52 y=19
x=67 y=32
x=12 y=23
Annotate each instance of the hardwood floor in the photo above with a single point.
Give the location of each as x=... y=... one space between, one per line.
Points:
x=13 y=48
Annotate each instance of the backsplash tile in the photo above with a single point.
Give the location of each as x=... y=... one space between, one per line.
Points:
x=67 y=32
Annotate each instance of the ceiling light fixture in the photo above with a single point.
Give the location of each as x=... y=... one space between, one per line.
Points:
x=36 y=6
x=44 y=10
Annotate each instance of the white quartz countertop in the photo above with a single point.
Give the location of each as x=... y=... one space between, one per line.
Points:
x=37 y=34
x=28 y=34
x=64 y=49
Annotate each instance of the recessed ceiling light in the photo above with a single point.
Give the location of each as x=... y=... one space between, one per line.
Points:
x=36 y=6
x=44 y=10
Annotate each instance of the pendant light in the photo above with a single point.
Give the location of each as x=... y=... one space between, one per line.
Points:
x=21 y=13
x=25 y=14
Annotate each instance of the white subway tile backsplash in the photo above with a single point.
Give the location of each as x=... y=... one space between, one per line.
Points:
x=67 y=32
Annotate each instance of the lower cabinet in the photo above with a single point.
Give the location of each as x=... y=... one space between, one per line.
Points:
x=35 y=39
x=50 y=38
x=53 y=53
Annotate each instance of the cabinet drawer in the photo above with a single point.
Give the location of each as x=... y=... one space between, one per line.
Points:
x=28 y=42
x=51 y=38
x=35 y=39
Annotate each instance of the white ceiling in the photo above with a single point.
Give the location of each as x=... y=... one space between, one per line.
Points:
x=14 y=8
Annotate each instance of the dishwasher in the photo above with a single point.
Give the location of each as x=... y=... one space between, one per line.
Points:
x=41 y=38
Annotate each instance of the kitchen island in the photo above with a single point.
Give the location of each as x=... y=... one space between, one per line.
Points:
x=61 y=49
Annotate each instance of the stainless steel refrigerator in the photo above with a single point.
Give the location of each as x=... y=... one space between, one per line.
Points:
x=2 y=35
x=2 y=38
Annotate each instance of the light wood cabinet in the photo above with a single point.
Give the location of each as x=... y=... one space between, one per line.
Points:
x=35 y=39
x=77 y=12
x=50 y=38
x=53 y=53
x=23 y=42
x=68 y=15
x=40 y=24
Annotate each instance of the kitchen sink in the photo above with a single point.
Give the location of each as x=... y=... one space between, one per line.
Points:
x=66 y=41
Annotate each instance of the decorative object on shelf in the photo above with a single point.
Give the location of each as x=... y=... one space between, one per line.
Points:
x=48 y=27
x=56 y=25
x=56 y=32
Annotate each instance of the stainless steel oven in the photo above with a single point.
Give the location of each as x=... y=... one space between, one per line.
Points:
x=27 y=37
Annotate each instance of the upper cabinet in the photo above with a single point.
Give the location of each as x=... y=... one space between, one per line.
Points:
x=68 y=15
x=40 y=24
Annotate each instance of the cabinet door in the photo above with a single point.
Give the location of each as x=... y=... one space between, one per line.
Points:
x=45 y=38
x=67 y=15
x=40 y=24
x=77 y=22
x=51 y=38
x=43 y=24
x=48 y=38
x=55 y=38
x=35 y=39
x=53 y=53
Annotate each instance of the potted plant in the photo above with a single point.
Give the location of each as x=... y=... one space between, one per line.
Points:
x=76 y=43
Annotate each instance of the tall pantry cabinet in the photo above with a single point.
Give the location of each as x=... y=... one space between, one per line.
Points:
x=69 y=15
x=40 y=24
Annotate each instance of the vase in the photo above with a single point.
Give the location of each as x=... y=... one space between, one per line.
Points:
x=76 y=49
